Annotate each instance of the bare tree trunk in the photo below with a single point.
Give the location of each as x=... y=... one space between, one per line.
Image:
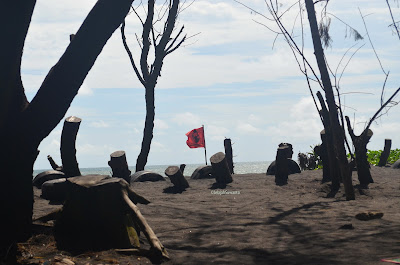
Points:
x=148 y=128
x=337 y=130
x=23 y=126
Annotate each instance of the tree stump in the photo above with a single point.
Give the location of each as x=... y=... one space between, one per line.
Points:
x=282 y=167
x=220 y=168
x=228 y=154
x=68 y=150
x=176 y=177
x=100 y=213
x=385 y=153
x=182 y=167
x=119 y=165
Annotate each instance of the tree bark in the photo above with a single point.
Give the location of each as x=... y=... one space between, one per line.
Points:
x=228 y=154
x=220 y=169
x=385 y=154
x=360 y=144
x=337 y=130
x=20 y=133
x=148 y=127
x=176 y=177
x=327 y=139
x=68 y=149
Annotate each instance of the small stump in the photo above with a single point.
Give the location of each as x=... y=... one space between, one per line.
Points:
x=175 y=175
x=220 y=168
x=119 y=166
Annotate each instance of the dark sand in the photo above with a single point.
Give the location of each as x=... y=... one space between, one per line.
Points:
x=264 y=224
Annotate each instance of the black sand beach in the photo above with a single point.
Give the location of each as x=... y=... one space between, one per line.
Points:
x=253 y=221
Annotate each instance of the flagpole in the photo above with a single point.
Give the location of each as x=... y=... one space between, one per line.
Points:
x=205 y=149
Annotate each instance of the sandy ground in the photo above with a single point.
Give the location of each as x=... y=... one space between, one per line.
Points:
x=254 y=221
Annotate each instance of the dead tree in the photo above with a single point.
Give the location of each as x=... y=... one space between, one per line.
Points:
x=24 y=124
x=385 y=153
x=163 y=44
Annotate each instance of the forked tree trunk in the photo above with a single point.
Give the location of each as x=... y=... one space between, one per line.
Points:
x=67 y=148
x=176 y=176
x=360 y=144
x=119 y=166
x=337 y=130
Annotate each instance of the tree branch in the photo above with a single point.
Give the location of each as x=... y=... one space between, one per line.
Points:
x=130 y=54
x=65 y=78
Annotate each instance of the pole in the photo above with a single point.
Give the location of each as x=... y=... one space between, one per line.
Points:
x=205 y=149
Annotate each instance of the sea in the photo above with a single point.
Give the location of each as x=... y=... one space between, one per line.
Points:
x=239 y=168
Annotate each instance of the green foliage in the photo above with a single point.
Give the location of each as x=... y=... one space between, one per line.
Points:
x=374 y=156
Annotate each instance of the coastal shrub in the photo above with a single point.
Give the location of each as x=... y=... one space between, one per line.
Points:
x=373 y=156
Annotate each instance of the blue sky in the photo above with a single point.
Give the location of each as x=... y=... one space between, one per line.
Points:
x=229 y=78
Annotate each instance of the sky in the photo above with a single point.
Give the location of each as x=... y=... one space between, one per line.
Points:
x=233 y=75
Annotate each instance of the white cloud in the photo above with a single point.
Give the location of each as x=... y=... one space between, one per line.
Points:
x=160 y=124
x=187 y=118
x=99 y=124
x=246 y=128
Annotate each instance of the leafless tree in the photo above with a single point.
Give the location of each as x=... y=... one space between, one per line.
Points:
x=162 y=43
x=330 y=108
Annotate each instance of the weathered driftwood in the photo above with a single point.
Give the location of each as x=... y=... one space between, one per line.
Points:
x=220 y=168
x=67 y=148
x=202 y=172
x=385 y=153
x=157 y=248
x=282 y=166
x=176 y=177
x=229 y=154
x=119 y=165
x=53 y=164
x=100 y=214
x=144 y=175
x=45 y=176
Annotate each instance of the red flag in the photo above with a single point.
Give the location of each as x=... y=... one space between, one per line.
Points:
x=196 y=138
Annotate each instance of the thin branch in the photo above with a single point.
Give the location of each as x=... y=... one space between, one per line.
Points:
x=130 y=54
x=394 y=23
x=382 y=107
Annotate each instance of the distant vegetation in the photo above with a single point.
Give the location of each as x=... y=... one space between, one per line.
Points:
x=373 y=156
